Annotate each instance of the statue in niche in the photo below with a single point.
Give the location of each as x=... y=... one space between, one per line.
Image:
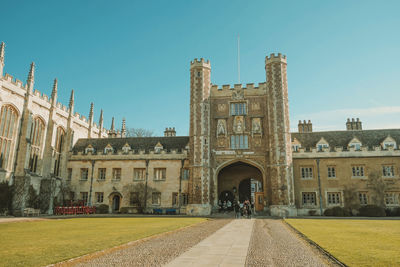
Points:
x=221 y=129
x=256 y=125
x=238 y=124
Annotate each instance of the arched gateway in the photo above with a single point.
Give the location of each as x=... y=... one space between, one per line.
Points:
x=240 y=181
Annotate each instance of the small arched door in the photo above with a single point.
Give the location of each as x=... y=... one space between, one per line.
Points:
x=115 y=203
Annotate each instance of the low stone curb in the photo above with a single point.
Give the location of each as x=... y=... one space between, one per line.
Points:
x=97 y=254
x=323 y=251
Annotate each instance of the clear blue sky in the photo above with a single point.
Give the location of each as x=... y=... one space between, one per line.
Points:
x=131 y=58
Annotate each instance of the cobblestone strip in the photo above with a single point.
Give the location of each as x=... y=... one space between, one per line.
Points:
x=274 y=244
x=156 y=251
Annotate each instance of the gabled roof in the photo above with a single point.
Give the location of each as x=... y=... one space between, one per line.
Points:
x=137 y=143
x=368 y=138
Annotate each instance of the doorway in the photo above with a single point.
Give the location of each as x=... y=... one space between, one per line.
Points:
x=115 y=203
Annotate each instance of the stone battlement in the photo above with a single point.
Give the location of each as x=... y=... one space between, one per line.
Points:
x=248 y=86
x=196 y=63
x=275 y=58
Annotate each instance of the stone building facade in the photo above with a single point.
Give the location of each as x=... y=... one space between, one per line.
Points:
x=239 y=147
x=36 y=134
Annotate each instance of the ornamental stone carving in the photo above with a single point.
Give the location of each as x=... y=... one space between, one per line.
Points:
x=238 y=124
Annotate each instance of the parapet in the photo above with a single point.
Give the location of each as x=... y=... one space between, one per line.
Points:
x=200 y=63
x=275 y=58
x=248 y=86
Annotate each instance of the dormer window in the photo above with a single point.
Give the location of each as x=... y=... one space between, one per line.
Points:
x=88 y=149
x=158 y=148
x=126 y=148
x=355 y=143
x=108 y=149
x=389 y=142
x=322 y=144
x=296 y=145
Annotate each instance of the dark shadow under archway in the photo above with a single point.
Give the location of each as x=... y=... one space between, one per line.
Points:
x=237 y=179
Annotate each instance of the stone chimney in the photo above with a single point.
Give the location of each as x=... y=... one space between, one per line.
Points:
x=353 y=125
x=305 y=127
x=170 y=132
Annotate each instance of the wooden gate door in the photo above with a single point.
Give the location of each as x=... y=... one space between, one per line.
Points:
x=259 y=201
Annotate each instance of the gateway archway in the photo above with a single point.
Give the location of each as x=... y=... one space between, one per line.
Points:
x=240 y=181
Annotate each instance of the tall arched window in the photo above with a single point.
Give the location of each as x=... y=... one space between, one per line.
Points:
x=8 y=124
x=58 y=149
x=36 y=138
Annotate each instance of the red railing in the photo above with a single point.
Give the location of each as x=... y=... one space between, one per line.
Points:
x=74 y=210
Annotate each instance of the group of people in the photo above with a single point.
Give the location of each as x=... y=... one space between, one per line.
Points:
x=241 y=209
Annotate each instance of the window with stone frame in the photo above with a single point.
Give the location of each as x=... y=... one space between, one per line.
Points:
x=36 y=141
x=102 y=174
x=185 y=198
x=296 y=148
x=238 y=109
x=58 y=149
x=139 y=174
x=69 y=174
x=320 y=147
x=8 y=124
x=392 y=198
x=363 y=197
x=334 y=198
x=388 y=171
x=99 y=197
x=160 y=174
x=186 y=174
x=134 y=198
x=84 y=174
x=331 y=172
x=116 y=174
x=309 y=198
x=175 y=201
x=84 y=198
x=306 y=172
x=358 y=171
x=239 y=141
x=156 y=198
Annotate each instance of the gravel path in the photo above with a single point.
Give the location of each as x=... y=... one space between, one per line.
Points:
x=159 y=250
x=274 y=244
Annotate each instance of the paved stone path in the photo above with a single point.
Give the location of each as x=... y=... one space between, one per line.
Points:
x=226 y=247
x=274 y=244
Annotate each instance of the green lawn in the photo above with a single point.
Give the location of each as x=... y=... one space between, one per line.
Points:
x=355 y=242
x=45 y=242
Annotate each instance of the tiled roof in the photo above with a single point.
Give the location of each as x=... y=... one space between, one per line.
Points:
x=137 y=143
x=368 y=138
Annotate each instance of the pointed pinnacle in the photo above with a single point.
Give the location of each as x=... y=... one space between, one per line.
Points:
x=54 y=92
x=101 y=117
x=91 y=111
x=71 y=99
x=31 y=76
x=112 y=125
x=2 y=50
x=123 y=124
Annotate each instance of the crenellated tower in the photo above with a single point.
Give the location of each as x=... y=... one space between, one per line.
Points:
x=199 y=134
x=280 y=151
